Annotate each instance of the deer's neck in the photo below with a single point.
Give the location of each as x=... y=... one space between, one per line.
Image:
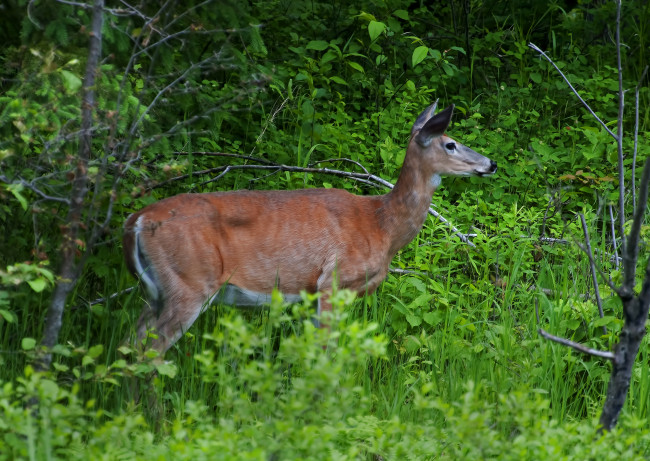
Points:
x=405 y=207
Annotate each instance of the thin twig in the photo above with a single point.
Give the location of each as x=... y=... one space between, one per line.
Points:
x=613 y=230
x=268 y=122
x=104 y=299
x=604 y=276
x=584 y=103
x=619 y=137
x=636 y=133
x=577 y=346
x=551 y=292
x=572 y=344
x=592 y=264
x=407 y=272
x=342 y=159
x=218 y=177
x=225 y=154
x=36 y=190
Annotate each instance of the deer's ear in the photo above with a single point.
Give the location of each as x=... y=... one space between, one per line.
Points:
x=424 y=117
x=434 y=127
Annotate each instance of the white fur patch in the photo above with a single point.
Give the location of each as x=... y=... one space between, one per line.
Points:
x=435 y=180
x=145 y=276
x=235 y=296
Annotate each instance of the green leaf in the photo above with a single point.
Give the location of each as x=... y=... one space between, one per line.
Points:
x=413 y=320
x=338 y=80
x=28 y=344
x=448 y=68
x=95 y=351
x=167 y=369
x=71 y=82
x=257 y=44
x=318 y=45
x=61 y=350
x=419 y=54
x=125 y=350
x=60 y=367
x=330 y=55
x=432 y=318
x=402 y=14
x=121 y=363
x=38 y=284
x=355 y=66
x=49 y=389
x=535 y=77
x=375 y=29
x=7 y=315
x=15 y=189
x=606 y=320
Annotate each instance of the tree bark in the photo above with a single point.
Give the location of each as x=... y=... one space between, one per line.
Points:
x=69 y=270
x=625 y=352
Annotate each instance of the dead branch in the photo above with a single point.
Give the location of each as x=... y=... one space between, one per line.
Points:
x=584 y=103
x=576 y=346
x=636 y=133
x=617 y=258
x=592 y=265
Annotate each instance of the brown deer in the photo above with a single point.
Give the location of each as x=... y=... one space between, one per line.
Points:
x=240 y=245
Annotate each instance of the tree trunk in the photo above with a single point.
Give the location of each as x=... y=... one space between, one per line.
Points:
x=635 y=314
x=69 y=270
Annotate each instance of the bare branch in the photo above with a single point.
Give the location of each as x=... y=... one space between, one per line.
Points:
x=94 y=302
x=572 y=344
x=85 y=6
x=613 y=230
x=636 y=134
x=36 y=190
x=269 y=120
x=584 y=103
x=407 y=272
x=343 y=159
x=576 y=346
x=619 y=138
x=604 y=276
x=222 y=154
x=592 y=264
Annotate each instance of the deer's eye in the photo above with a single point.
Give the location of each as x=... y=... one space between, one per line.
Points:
x=450 y=146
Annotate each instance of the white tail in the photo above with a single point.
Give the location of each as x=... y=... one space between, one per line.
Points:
x=188 y=248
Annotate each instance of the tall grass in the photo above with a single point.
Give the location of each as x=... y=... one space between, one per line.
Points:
x=260 y=385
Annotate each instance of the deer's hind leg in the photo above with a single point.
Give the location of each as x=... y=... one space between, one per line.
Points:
x=163 y=322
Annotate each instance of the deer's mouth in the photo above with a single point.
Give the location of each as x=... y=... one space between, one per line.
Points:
x=491 y=171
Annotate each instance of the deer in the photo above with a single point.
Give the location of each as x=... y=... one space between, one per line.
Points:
x=236 y=247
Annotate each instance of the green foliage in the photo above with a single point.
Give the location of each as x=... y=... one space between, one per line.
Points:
x=293 y=401
x=443 y=361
